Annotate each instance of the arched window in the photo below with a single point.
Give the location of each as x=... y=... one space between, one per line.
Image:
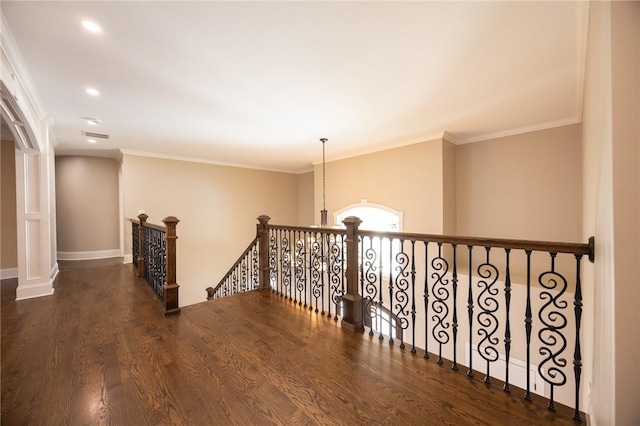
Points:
x=375 y=217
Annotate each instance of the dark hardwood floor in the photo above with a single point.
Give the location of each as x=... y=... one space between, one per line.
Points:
x=99 y=351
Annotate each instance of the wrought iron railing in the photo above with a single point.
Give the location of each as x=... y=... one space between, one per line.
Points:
x=154 y=255
x=308 y=266
x=509 y=308
x=243 y=275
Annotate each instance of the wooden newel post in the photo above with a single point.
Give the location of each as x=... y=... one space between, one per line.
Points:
x=141 y=248
x=352 y=300
x=170 y=287
x=263 y=241
x=210 y=293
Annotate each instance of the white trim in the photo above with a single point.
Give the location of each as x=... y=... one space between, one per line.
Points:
x=537 y=383
x=200 y=160
x=54 y=272
x=128 y=258
x=30 y=291
x=121 y=228
x=87 y=255
x=359 y=151
x=520 y=130
x=8 y=273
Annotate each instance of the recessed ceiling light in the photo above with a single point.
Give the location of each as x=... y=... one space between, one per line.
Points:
x=92 y=140
x=90 y=26
x=92 y=91
x=92 y=121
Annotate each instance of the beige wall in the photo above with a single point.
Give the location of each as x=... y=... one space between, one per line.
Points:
x=87 y=205
x=217 y=207
x=9 y=248
x=449 y=193
x=305 y=199
x=409 y=179
x=527 y=186
x=610 y=209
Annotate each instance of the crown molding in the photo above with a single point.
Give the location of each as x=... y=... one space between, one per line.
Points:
x=200 y=160
x=519 y=130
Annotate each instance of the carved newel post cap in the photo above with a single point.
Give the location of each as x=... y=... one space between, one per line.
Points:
x=143 y=217
x=352 y=220
x=210 y=291
x=170 y=219
x=264 y=219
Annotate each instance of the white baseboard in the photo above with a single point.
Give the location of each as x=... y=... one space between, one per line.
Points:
x=8 y=273
x=88 y=255
x=128 y=258
x=30 y=291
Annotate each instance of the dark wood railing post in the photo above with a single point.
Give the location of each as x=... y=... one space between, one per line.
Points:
x=352 y=300
x=141 y=248
x=210 y=293
x=170 y=287
x=263 y=242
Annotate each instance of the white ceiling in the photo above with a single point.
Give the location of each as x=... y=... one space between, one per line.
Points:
x=258 y=83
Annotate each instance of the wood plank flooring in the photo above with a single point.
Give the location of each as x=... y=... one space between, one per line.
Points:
x=99 y=352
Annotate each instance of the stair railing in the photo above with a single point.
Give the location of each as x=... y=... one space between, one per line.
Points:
x=154 y=256
x=486 y=299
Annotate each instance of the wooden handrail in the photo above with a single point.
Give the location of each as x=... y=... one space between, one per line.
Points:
x=150 y=225
x=544 y=246
x=212 y=290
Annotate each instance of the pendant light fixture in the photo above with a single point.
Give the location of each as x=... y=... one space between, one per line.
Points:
x=323 y=212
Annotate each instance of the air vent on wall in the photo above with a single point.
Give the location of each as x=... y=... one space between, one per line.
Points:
x=95 y=135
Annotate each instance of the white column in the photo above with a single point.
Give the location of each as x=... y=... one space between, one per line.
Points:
x=36 y=265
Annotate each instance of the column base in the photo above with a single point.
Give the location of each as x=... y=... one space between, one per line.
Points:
x=352 y=313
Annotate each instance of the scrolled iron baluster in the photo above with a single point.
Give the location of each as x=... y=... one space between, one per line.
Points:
x=316 y=270
x=243 y=274
x=402 y=285
x=370 y=290
x=487 y=319
x=234 y=287
x=337 y=274
x=439 y=305
x=325 y=269
x=553 y=320
x=147 y=253
x=286 y=265
x=273 y=261
x=255 y=261
x=299 y=269
x=163 y=263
